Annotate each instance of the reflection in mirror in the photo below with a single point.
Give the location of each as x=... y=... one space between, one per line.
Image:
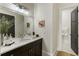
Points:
x=7 y=26
x=14 y=24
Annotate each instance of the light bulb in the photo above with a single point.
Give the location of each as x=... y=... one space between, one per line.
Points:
x=26 y=12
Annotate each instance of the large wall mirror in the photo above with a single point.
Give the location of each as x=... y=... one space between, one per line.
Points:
x=16 y=22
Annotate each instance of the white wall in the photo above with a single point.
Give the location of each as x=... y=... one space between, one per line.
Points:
x=55 y=27
x=78 y=31
x=19 y=20
x=44 y=12
x=49 y=13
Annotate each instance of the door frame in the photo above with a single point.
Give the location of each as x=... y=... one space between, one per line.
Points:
x=60 y=41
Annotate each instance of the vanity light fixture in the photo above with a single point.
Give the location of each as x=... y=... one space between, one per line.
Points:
x=21 y=9
x=24 y=11
x=17 y=8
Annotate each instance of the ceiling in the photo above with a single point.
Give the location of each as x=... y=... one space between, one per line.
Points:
x=28 y=5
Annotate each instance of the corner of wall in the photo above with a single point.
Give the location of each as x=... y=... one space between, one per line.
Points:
x=45 y=53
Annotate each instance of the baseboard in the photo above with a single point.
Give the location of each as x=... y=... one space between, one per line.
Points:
x=45 y=53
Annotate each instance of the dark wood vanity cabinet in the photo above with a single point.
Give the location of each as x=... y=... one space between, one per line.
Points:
x=31 y=49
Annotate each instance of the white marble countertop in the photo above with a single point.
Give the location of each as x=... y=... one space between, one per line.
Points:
x=19 y=43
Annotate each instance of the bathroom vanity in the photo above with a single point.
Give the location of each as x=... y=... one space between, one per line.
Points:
x=24 y=47
x=14 y=26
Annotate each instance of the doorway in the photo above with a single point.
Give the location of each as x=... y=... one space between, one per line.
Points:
x=68 y=43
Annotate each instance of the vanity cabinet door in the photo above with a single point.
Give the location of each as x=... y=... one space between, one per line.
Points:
x=7 y=54
x=22 y=51
x=31 y=51
x=15 y=52
x=36 y=48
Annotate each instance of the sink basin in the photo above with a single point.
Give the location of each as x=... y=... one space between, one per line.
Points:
x=12 y=41
x=8 y=42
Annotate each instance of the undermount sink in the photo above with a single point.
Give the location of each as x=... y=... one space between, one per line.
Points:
x=8 y=42
x=15 y=40
x=12 y=41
